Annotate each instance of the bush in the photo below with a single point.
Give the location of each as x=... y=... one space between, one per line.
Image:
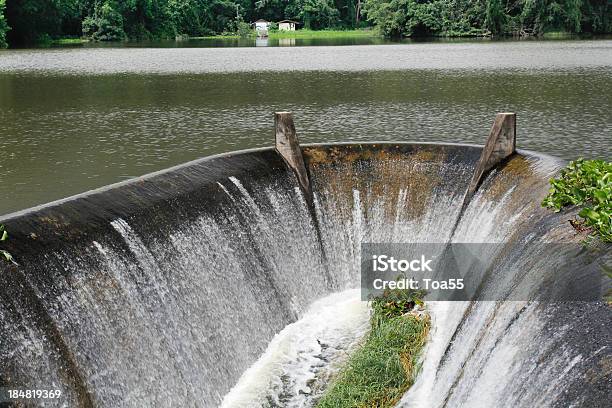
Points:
x=243 y=29
x=588 y=184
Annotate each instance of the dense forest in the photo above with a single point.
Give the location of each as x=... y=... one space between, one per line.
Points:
x=28 y=21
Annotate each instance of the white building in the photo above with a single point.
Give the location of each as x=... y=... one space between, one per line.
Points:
x=287 y=25
x=262 y=26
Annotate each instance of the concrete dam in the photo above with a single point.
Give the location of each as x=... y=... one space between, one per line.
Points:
x=164 y=290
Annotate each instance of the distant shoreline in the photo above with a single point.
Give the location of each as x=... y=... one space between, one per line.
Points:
x=323 y=34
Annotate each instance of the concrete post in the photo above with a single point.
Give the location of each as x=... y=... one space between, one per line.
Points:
x=288 y=146
x=500 y=145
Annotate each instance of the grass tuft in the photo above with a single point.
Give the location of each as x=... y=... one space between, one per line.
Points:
x=385 y=366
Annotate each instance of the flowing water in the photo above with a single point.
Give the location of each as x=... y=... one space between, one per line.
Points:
x=300 y=361
x=196 y=286
x=73 y=119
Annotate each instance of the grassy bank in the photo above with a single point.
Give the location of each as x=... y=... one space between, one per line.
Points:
x=213 y=37
x=559 y=35
x=385 y=365
x=66 y=41
x=324 y=34
x=304 y=33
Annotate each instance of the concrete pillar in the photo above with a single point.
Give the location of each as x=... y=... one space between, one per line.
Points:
x=500 y=145
x=288 y=146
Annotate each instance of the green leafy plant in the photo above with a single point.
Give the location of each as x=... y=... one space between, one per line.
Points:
x=588 y=184
x=396 y=302
x=3 y=253
x=243 y=29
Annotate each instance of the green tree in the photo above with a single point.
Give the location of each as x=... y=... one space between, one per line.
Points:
x=475 y=17
x=106 y=23
x=32 y=20
x=317 y=14
x=35 y=20
x=495 y=16
x=201 y=17
x=597 y=16
x=405 y=17
x=389 y=16
x=274 y=10
x=4 y=28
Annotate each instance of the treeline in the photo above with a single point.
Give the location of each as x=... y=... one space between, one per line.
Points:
x=39 y=20
x=29 y=21
x=488 y=17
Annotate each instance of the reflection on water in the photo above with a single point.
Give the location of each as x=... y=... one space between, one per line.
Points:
x=365 y=38
x=281 y=42
x=286 y=42
x=64 y=134
x=232 y=42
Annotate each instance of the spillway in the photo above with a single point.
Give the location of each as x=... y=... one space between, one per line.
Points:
x=164 y=290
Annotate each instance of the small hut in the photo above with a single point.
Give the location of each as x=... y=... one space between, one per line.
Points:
x=261 y=27
x=287 y=25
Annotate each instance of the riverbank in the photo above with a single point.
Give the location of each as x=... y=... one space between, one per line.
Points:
x=304 y=33
x=69 y=41
x=331 y=35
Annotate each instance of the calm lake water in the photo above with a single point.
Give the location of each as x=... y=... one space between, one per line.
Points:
x=72 y=119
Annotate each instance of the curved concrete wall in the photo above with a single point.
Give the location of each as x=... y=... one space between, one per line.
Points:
x=164 y=289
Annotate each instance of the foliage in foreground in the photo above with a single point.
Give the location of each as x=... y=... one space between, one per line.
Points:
x=385 y=366
x=3 y=253
x=588 y=184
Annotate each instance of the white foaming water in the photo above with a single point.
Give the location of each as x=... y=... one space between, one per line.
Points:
x=438 y=374
x=300 y=360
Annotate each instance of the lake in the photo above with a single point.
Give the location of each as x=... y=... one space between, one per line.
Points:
x=77 y=118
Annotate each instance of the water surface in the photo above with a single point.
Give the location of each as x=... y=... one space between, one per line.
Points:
x=72 y=119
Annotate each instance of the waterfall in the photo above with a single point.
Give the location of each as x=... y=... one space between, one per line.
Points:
x=205 y=284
